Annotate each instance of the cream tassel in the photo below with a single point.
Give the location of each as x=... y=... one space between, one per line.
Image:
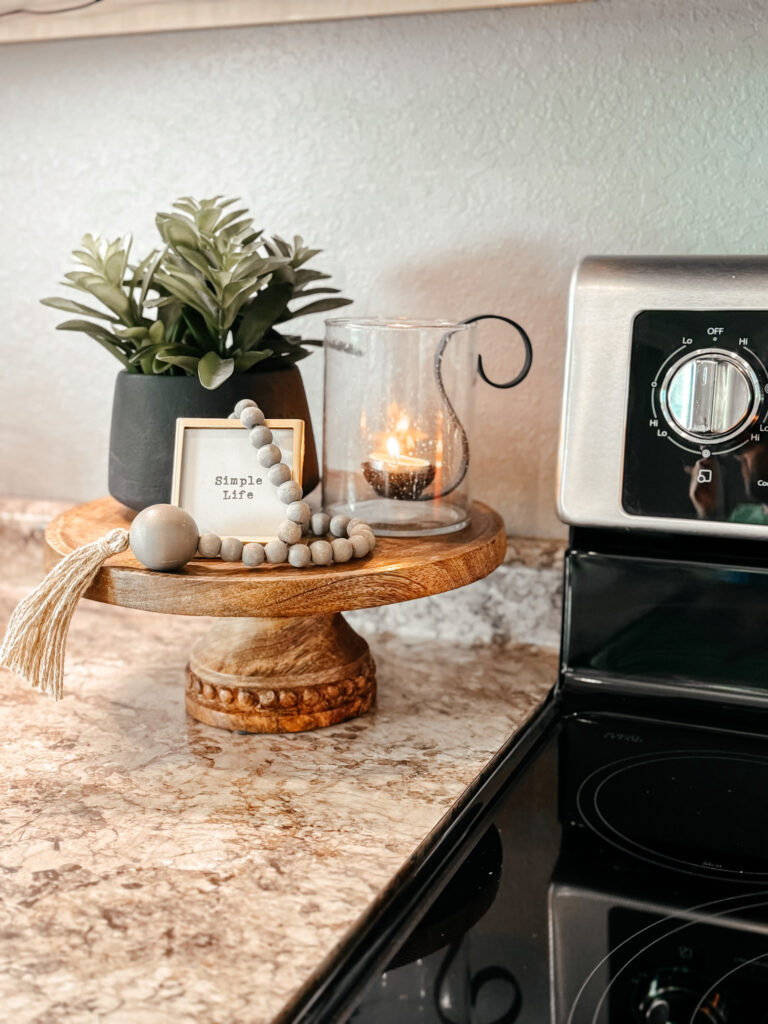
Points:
x=36 y=637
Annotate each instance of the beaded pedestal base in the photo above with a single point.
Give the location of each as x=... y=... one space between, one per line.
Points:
x=280 y=675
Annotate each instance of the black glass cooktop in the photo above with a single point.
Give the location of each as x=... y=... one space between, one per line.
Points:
x=611 y=868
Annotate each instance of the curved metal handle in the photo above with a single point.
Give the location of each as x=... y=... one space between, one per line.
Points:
x=526 y=345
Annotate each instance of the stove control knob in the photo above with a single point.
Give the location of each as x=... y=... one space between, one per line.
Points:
x=710 y=395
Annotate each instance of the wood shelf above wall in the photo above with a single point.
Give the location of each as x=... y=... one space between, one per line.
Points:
x=39 y=20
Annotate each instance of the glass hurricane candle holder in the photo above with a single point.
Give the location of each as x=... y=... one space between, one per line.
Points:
x=398 y=414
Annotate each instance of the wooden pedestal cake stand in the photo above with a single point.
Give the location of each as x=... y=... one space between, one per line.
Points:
x=282 y=658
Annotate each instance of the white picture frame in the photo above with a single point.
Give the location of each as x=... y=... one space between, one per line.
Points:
x=217 y=477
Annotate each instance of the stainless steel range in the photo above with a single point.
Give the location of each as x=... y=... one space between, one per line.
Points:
x=665 y=401
x=611 y=865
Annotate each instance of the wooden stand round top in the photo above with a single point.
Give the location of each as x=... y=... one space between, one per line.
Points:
x=399 y=570
x=280 y=656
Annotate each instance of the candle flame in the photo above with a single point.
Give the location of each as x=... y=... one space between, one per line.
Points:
x=393 y=447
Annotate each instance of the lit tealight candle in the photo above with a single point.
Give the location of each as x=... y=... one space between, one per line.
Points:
x=393 y=475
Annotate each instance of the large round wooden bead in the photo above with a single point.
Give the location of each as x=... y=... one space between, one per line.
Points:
x=322 y=552
x=253 y=554
x=342 y=549
x=321 y=522
x=269 y=455
x=276 y=551
x=260 y=436
x=244 y=403
x=164 y=537
x=253 y=417
x=358 y=527
x=279 y=474
x=299 y=556
x=231 y=549
x=364 y=530
x=361 y=544
x=289 y=492
x=339 y=526
x=299 y=512
x=289 y=532
x=209 y=545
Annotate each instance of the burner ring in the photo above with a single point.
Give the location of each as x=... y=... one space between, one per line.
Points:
x=684 y=810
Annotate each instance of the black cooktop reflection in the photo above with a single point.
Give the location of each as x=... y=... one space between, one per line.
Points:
x=659 y=898
x=620 y=876
x=698 y=811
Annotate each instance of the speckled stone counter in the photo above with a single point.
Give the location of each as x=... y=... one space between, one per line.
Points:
x=153 y=869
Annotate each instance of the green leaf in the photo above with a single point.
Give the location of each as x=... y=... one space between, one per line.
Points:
x=113 y=268
x=157 y=332
x=230 y=218
x=197 y=327
x=79 y=279
x=304 y=257
x=281 y=246
x=91 y=244
x=213 y=371
x=187 y=363
x=178 y=350
x=161 y=302
x=99 y=334
x=261 y=312
x=176 y=229
x=145 y=352
x=88 y=260
x=94 y=330
x=320 y=306
x=305 y=277
x=206 y=219
x=132 y=333
x=288 y=359
x=240 y=289
x=112 y=297
x=188 y=204
x=68 y=306
x=174 y=329
x=196 y=258
x=306 y=292
x=237 y=227
x=244 y=362
x=187 y=290
x=152 y=263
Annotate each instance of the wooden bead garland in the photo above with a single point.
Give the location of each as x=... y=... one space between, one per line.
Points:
x=164 y=538
x=303 y=538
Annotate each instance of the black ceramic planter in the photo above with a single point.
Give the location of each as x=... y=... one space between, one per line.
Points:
x=144 y=415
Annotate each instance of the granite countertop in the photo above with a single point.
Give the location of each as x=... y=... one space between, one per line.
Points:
x=155 y=869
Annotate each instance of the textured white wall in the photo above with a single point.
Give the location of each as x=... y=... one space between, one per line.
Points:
x=449 y=164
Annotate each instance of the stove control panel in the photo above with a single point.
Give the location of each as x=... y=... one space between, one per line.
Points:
x=695 y=443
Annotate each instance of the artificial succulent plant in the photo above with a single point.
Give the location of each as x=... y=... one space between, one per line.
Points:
x=210 y=302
